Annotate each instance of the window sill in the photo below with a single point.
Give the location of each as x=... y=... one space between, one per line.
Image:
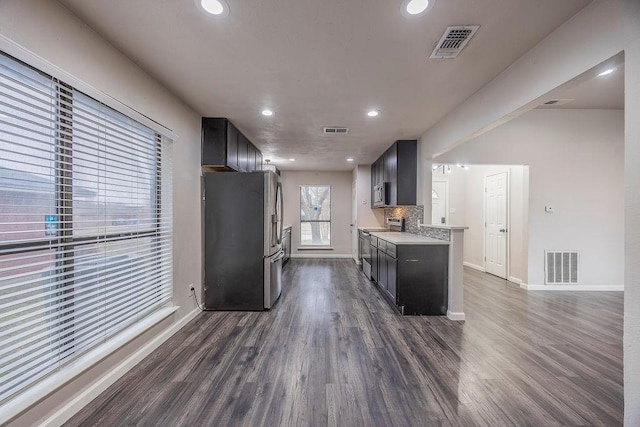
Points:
x=315 y=248
x=48 y=385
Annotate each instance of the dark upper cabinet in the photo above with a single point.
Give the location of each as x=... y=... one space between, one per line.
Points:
x=225 y=148
x=397 y=166
x=243 y=154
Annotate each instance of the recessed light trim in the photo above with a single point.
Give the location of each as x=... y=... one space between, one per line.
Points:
x=606 y=72
x=292 y=159
x=412 y=8
x=266 y=112
x=349 y=159
x=213 y=7
x=373 y=113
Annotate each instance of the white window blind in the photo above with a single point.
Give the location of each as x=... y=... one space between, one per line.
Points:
x=85 y=224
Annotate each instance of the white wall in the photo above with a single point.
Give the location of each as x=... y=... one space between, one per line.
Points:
x=576 y=165
x=50 y=31
x=466 y=196
x=367 y=217
x=340 y=183
x=598 y=32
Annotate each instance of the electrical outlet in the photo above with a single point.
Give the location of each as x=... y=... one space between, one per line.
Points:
x=192 y=290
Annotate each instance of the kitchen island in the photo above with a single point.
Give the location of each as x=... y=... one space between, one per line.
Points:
x=411 y=271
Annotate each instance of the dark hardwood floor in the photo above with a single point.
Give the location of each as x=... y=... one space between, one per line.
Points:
x=332 y=352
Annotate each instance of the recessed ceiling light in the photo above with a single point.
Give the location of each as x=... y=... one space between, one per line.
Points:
x=349 y=159
x=267 y=112
x=292 y=160
x=373 y=113
x=416 y=7
x=214 y=7
x=606 y=72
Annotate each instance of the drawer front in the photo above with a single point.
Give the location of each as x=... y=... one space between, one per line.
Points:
x=374 y=241
x=391 y=250
x=382 y=244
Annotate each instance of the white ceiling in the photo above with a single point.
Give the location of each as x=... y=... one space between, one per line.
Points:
x=322 y=63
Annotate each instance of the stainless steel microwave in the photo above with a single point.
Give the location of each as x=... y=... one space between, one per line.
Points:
x=381 y=194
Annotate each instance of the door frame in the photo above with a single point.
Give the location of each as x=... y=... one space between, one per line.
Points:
x=484 y=229
x=446 y=201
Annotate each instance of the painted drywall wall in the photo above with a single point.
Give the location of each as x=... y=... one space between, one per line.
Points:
x=367 y=217
x=340 y=183
x=456 y=179
x=598 y=32
x=632 y=231
x=50 y=31
x=466 y=196
x=576 y=165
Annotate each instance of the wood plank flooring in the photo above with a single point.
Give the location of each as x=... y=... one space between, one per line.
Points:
x=333 y=353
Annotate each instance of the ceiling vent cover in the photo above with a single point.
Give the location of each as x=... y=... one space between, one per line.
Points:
x=453 y=41
x=558 y=101
x=335 y=131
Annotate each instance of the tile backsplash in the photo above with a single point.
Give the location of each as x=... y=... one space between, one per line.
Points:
x=414 y=215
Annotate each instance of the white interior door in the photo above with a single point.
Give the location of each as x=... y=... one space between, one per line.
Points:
x=439 y=203
x=354 y=220
x=496 y=224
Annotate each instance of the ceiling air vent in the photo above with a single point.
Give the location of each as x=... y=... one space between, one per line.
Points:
x=335 y=130
x=453 y=41
x=558 y=101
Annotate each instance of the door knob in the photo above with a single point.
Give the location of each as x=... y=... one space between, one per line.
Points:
x=503 y=230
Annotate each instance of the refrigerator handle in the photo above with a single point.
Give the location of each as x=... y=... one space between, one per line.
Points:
x=280 y=214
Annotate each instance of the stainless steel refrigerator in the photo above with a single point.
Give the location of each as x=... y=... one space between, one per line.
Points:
x=242 y=215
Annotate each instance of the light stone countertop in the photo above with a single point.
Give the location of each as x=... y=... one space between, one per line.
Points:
x=445 y=227
x=403 y=238
x=372 y=228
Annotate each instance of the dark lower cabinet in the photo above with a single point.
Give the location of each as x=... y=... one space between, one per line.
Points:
x=414 y=278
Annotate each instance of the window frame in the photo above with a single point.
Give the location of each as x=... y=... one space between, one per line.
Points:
x=63 y=244
x=316 y=221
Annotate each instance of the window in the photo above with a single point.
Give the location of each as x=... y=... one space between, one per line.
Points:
x=85 y=223
x=315 y=215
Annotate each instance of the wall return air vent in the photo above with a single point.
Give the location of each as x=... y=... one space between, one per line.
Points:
x=335 y=131
x=453 y=41
x=561 y=268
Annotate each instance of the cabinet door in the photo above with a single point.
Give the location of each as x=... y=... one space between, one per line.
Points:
x=243 y=147
x=258 y=160
x=391 y=167
x=374 y=263
x=251 y=157
x=382 y=270
x=232 y=146
x=392 y=267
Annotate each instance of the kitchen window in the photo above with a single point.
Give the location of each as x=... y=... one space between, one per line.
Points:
x=85 y=224
x=315 y=215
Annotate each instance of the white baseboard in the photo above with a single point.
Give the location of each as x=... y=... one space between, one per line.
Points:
x=475 y=267
x=515 y=280
x=305 y=255
x=592 y=288
x=458 y=316
x=86 y=396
